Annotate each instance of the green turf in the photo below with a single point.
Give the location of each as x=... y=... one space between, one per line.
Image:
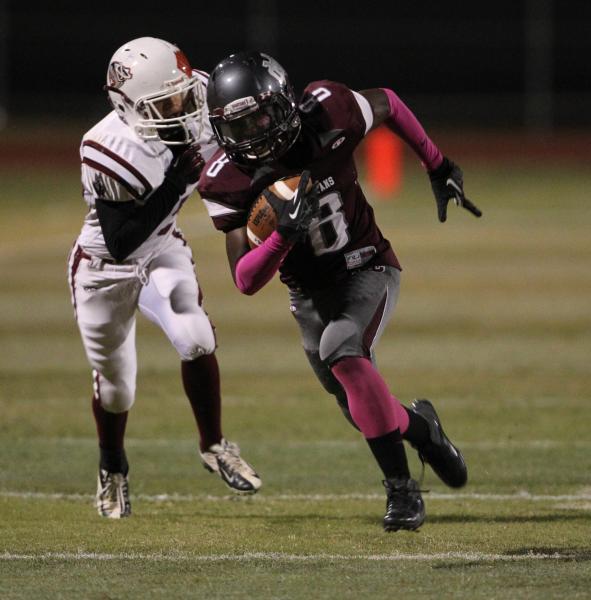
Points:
x=493 y=324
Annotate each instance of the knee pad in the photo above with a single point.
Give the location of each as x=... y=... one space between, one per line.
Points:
x=326 y=378
x=340 y=339
x=330 y=384
x=115 y=396
x=197 y=340
x=183 y=298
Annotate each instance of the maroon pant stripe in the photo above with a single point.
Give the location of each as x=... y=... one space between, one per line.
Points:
x=371 y=330
x=79 y=254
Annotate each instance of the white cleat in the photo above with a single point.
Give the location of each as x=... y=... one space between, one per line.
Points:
x=112 y=495
x=225 y=460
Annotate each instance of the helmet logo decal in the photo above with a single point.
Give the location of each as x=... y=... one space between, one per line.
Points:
x=118 y=74
x=239 y=105
x=338 y=143
x=274 y=68
x=182 y=63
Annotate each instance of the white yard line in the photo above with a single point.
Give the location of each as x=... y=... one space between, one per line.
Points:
x=280 y=557
x=479 y=445
x=522 y=496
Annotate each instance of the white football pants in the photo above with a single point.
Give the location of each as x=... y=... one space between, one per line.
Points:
x=105 y=298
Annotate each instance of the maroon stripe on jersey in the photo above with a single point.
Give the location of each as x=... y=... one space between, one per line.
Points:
x=112 y=175
x=371 y=330
x=121 y=161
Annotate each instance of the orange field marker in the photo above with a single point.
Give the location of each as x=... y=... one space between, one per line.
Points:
x=383 y=162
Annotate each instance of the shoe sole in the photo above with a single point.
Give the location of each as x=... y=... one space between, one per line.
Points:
x=111 y=516
x=402 y=527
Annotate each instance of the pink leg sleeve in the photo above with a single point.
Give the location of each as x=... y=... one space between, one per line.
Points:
x=373 y=408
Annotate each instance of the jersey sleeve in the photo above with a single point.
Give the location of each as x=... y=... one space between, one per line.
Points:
x=97 y=185
x=225 y=192
x=108 y=174
x=225 y=217
x=336 y=107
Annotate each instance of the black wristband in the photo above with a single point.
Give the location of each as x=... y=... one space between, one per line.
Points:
x=442 y=170
x=288 y=233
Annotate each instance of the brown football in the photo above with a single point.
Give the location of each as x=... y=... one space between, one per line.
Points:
x=262 y=218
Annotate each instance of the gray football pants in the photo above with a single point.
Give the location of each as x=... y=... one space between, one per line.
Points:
x=345 y=320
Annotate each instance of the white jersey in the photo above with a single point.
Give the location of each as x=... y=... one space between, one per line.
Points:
x=118 y=165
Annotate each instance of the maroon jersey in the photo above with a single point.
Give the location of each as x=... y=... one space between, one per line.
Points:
x=344 y=236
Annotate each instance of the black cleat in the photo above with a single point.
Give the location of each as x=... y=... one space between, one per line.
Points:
x=445 y=459
x=405 y=508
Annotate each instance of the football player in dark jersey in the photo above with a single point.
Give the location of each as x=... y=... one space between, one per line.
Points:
x=342 y=274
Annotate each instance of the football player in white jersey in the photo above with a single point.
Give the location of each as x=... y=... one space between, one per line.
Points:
x=139 y=164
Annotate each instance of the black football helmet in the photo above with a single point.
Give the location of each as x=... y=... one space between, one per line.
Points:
x=252 y=108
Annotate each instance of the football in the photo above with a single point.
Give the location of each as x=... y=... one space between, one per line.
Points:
x=262 y=218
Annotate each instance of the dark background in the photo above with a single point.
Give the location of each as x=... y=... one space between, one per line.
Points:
x=520 y=64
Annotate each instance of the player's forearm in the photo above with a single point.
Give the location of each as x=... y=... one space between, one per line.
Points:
x=404 y=123
x=127 y=226
x=257 y=267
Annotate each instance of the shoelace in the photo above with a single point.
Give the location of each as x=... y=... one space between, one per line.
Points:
x=406 y=492
x=230 y=455
x=111 y=487
x=422 y=477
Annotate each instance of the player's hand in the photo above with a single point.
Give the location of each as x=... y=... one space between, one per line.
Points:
x=294 y=217
x=447 y=182
x=188 y=165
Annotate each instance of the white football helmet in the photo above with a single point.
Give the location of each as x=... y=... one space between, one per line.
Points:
x=142 y=76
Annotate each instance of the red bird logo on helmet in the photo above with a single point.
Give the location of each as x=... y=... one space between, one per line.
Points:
x=182 y=62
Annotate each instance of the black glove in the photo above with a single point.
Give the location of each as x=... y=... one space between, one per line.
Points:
x=447 y=182
x=294 y=217
x=186 y=167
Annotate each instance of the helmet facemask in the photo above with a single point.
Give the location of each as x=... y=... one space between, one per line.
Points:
x=182 y=127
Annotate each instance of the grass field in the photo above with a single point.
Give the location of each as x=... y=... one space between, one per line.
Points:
x=493 y=325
